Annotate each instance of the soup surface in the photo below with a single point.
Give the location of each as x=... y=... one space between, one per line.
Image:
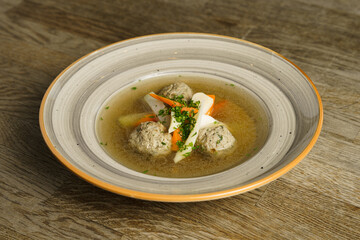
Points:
x=243 y=115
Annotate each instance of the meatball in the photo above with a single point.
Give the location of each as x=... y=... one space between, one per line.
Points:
x=216 y=138
x=177 y=89
x=151 y=138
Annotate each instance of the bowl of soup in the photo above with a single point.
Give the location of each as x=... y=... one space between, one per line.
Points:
x=181 y=117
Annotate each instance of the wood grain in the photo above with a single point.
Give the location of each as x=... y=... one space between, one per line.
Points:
x=41 y=199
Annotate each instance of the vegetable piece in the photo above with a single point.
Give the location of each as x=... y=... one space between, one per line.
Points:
x=219 y=106
x=170 y=102
x=157 y=105
x=207 y=121
x=173 y=123
x=212 y=106
x=147 y=118
x=131 y=120
x=205 y=104
x=175 y=138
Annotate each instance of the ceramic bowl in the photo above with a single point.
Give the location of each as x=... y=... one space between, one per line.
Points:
x=70 y=106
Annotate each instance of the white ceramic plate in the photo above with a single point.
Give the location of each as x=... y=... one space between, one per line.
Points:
x=70 y=106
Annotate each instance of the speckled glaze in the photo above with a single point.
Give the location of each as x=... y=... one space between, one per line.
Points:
x=70 y=106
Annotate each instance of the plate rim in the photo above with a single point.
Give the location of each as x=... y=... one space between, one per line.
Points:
x=189 y=197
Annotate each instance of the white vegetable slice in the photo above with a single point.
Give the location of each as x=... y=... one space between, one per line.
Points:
x=173 y=123
x=207 y=121
x=205 y=104
x=157 y=105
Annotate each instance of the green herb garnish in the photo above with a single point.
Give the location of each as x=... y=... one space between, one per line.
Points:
x=187 y=154
x=194 y=104
x=163 y=143
x=196 y=147
x=145 y=171
x=220 y=139
x=180 y=144
x=161 y=112
x=134 y=88
x=185 y=118
x=107 y=107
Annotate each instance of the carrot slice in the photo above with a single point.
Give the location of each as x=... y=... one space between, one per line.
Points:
x=212 y=106
x=166 y=100
x=146 y=118
x=175 y=138
x=219 y=106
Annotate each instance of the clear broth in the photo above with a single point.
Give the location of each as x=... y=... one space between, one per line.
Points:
x=245 y=118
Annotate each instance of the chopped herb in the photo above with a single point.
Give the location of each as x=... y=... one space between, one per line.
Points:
x=187 y=154
x=151 y=116
x=163 y=143
x=248 y=155
x=101 y=118
x=101 y=143
x=107 y=107
x=216 y=122
x=220 y=139
x=134 y=88
x=181 y=145
x=194 y=104
x=145 y=171
x=232 y=85
x=196 y=147
x=194 y=134
x=185 y=118
x=191 y=144
x=161 y=112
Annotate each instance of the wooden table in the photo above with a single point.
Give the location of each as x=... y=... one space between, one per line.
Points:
x=40 y=199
